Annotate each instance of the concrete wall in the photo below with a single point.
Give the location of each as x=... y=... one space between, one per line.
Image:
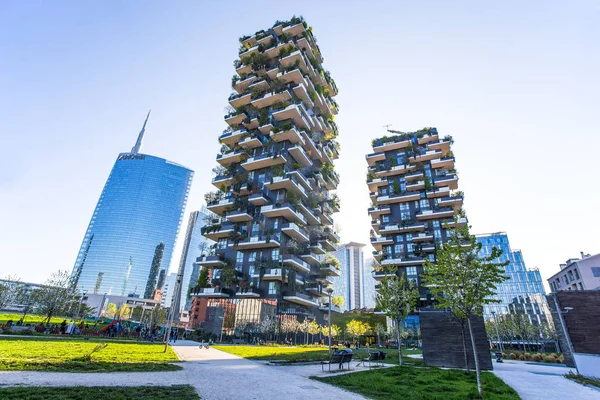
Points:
x=443 y=345
x=582 y=326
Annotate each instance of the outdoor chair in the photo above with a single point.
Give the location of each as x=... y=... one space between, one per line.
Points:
x=337 y=358
x=377 y=357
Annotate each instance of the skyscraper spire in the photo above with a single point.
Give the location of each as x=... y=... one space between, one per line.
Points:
x=136 y=149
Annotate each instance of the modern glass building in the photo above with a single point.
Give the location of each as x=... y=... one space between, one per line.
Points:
x=141 y=205
x=355 y=283
x=523 y=291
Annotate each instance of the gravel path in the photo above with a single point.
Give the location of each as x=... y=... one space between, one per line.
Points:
x=534 y=382
x=214 y=374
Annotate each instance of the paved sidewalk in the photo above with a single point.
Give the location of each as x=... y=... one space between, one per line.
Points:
x=534 y=381
x=214 y=374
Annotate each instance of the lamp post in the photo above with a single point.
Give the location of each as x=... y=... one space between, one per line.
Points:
x=222 y=327
x=564 y=328
x=497 y=334
x=329 y=292
x=83 y=293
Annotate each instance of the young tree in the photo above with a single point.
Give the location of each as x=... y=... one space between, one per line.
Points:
x=463 y=281
x=313 y=329
x=356 y=328
x=56 y=296
x=203 y=279
x=153 y=275
x=380 y=331
x=267 y=326
x=289 y=325
x=124 y=311
x=397 y=297
x=335 y=331
x=110 y=311
x=337 y=301
x=11 y=291
x=303 y=328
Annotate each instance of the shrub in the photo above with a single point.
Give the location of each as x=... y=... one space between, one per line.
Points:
x=548 y=359
x=554 y=355
x=521 y=357
x=537 y=357
x=513 y=356
x=527 y=356
x=561 y=360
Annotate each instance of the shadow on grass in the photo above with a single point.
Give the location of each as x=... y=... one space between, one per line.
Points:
x=180 y=392
x=78 y=365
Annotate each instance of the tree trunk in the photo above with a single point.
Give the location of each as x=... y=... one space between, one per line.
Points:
x=399 y=338
x=464 y=342
x=477 y=371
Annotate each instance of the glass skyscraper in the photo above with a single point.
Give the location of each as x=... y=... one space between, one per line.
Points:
x=355 y=283
x=523 y=291
x=141 y=206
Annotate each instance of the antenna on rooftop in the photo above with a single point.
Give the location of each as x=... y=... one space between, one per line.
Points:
x=387 y=127
x=136 y=149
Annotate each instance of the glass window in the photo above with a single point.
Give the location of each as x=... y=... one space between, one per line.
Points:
x=275 y=254
x=424 y=204
x=436 y=223
x=261 y=181
x=576 y=274
x=274 y=288
x=408 y=237
x=239 y=257
x=405 y=215
x=385 y=219
x=411 y=271
x=398 y=250
x=252 y=256
x=276 y=223
x=222 y=243
x=596 y=272
x=404 y=207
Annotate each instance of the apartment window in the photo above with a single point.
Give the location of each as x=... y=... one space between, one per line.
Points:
x=580 y=286
x=437 y=233
x=239 y=257
x=275 y=254
x=398 y=250
x=408 y=237
x=261 y=181
x=404 y=207
x=409 y=247
x=276 y=224
x=405 y=215
x=436 y=223
x=576 y=274
x=384 y=191
x=252 y=256
x=251 y=270
x=596 y=272
x=399 y=238
x=424 y=204
x=280 y=195
x=222 y=243
x=274 y=288
x=411 y=271
x=385 y=219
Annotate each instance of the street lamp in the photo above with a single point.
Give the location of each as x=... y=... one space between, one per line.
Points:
x=222 y=326
x=497 y=334
x=83 y=293
x=564 y=328
x=329 y=292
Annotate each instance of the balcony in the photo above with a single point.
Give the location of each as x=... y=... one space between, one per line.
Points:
x=398 y=228
x=375 y=157
x=460 y=222
x=287 y=182
x=269 y=98
x=300 y=156
x=420 y=185
x=293 y=112
x=328 y=245
x=231 y=138
x=426 y=156
x=332 y=181
x=316 y=289
x=218 y=207
x=374 y=184
x=317 y=248
x=329 y=270
x=311 y=218
x=211 y=293
x=251 y=142
x=293 y=76
x=242 y=85
x=239 y=216
x=443 y=145
x=330 y=233
x=326 y=219
x=235 y=119
x=249 y=52
x=212 y=262
x=384 y=273
x=294 y=231
x=300 y=298
x=392 y=145
x=222 y=231
x=302 y=93
x=411 y=177
x=403 y=261
x=435 y=214
x=381 y=241
x=258 y=199
x=263 y=161
x=294 y=30
x=454 y=201
x=295 y=262
x=222 y=181
x=272 y=274
x=441 y=192
x=451 y=181
x=248 y=293
x=239 y=100
x=311 y=147
x=291 y=60
x=231 y=157
x=375 y=212
x=310 y=258
x=396 y=170
x=285 y=210
x=432 y=136
x=422 y=237
x=258 y=242
x=447 y=163
x=400 y=198
x=292 y=135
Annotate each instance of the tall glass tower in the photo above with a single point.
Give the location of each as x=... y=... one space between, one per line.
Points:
x=141 y=206
x=523 y=291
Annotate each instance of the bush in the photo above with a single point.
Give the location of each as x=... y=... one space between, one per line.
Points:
x=561 y=360
x=513 y=356
x=521 y=357
x=554 y=355
x=527 y=356
x=537 y=357
x=548 y=359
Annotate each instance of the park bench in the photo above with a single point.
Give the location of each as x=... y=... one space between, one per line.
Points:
x=337 y=358
x=377 y=357
x=238 y=341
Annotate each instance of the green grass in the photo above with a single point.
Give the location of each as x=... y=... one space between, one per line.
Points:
x=181 y=392
x=68 y=356
x=408 y=383
x=583 y=380
x=305 y=354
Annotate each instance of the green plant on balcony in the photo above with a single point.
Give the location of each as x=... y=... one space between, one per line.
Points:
x=449 y=138
x=370 y=176
x=396 y=188
x=312 y=95
x=458 y=193
x=330 y=260
x=228 y=275
x=292 y=198
x=286 y=51
x=277 y=170
x=292 y=280
x=327 y=170
x=428 y=184
x=449 y=154
x=392 y=162
x=234 y=80
x=296 y=166
x=276 y=129
x=212 y=197
x=292 y=247
x=286 y=126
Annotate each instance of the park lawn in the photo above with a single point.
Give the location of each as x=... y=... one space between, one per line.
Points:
x=293 y=354
x=408 y=383
x=180 y=392
x=29 y=319
x=67 y=356
x=584 y=380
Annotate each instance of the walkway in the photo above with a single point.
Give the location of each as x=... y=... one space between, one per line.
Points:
x=538 y=381
x=214 y=374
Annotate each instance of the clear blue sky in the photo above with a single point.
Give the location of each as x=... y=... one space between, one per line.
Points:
x=516 y=84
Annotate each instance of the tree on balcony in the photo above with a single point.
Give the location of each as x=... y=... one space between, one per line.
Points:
x=397 y=297
x=337 y=301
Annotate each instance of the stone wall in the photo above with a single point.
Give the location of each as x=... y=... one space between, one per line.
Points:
x=443 y=344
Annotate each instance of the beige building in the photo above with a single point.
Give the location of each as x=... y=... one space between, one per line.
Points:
x=577 y=274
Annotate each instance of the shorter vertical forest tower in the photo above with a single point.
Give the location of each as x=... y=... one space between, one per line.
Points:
x=273 y=227
x=413 y=185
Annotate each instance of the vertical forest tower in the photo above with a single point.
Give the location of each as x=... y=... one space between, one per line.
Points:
x=273 y=204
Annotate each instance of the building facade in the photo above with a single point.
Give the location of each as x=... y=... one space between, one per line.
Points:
x=141 y=206
x=353 y=284
x=276 y=170
x=413 y=185
x=193 y=246
x=523 y=292
x=577 y=274
x=369 y=293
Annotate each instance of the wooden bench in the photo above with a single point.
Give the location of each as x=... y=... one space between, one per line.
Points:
x=377 y=357
x=338 y=358
x=238 y=341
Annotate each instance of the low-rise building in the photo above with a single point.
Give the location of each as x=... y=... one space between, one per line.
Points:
x=577 y=274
